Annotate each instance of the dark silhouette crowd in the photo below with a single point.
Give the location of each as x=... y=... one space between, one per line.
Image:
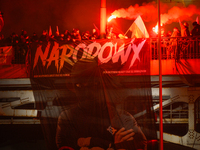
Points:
x=21 y=42
x=67 y=36
x=183 y=31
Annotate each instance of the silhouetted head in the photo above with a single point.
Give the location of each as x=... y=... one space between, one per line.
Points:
x=85 y=77
x=186 y=24
x=194 y=23
x=87 y=81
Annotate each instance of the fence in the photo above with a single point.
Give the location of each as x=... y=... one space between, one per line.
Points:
x=171 y=48
x=176 y=48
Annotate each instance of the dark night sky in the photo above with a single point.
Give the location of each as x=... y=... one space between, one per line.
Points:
x=38 y=15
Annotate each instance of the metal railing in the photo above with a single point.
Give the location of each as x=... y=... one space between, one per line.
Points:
x=176 y=48
x=171 y=48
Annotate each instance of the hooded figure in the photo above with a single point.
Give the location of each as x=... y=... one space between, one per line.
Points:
x=95 y=123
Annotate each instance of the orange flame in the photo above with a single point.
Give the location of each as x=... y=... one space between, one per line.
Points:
x=111 y=17
x=155 y=29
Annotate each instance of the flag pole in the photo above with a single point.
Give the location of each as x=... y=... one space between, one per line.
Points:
x=128 y=29
x=160 y=79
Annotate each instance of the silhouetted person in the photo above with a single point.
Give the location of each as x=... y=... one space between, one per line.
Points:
x=184 y=29
x=196 y=29
x=95 y=122
x=44 y=37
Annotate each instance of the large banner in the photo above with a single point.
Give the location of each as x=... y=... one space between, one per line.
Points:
x=94 y=95
x=130 y=57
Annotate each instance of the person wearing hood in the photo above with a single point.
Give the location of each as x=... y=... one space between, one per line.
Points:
x=95 y=123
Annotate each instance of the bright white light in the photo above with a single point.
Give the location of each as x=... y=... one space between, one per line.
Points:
x=111 y=17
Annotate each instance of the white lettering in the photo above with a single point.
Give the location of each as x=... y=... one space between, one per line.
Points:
x=105 y=53
x=42 y=55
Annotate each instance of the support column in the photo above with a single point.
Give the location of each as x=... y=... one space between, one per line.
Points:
x=103 y=19
x=160 y=78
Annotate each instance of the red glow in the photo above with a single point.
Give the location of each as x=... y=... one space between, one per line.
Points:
x=153 y=141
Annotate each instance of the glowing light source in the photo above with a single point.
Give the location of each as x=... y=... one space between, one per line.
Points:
x=111 y=17
x=155 y=29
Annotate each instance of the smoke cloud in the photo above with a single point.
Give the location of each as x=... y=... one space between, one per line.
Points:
x=169 y=12
x=134 y=11
x=176 y=13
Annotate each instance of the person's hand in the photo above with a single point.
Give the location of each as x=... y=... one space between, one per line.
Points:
x=84 y=142
x=124 y=135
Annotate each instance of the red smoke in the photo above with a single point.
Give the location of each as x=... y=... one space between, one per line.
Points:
x=176 y=13
x=148 y=12
x=134 y=11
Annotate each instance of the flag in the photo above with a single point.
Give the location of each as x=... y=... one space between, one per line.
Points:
x=50 y=31
x=97 y=29
x=1 y=21
x=57 y=30
x=197 y=19
x=6 y=55
x=138 y=29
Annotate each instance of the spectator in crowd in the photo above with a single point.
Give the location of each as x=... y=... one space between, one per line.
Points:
x=174 y=49
x=162 y=30
x=195 y=32
x=13 y=39
x=76 y=35
x=169 y=34
x=196 y=29
x=57 y=36
x=61 y=37
x=110 y=34
x=184 y=29
x=85 y=35
x=24 y=38
x=67 y=36
x=23 y=47
x=34 y=37
x=44 y=37
x=95 y=34
x=176 y=32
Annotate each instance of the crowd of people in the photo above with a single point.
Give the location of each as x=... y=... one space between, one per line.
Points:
x=75 y=35
x=21 y=42
x=66 y=36
x=183 y=31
